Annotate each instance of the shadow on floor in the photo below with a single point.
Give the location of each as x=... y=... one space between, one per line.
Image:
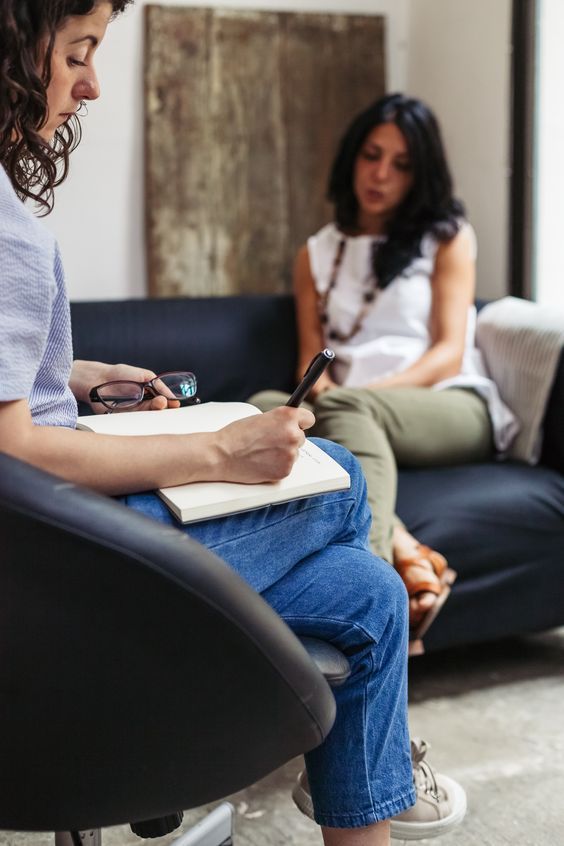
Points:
x=464 y=669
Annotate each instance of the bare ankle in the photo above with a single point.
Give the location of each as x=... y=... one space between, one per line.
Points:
x=403 y=543
x=377 y=834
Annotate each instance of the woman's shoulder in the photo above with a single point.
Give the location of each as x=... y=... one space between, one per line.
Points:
x=319 y=253
x=18 y=224
x=28 y=254
x=8 y=197
x=326 y=237
x=467 y=236
x=463 y=239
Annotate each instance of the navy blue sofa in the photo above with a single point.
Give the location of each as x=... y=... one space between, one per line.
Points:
x=500 y=524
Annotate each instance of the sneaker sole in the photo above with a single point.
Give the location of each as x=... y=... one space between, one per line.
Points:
x=302 y=800
x=419 y=831
x=405 y=830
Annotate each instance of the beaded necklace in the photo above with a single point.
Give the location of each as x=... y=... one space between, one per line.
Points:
x=367 y=300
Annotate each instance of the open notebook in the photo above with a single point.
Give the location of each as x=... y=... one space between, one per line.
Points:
x=313 y=473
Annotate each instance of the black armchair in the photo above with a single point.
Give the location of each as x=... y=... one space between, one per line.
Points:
x=140 y=674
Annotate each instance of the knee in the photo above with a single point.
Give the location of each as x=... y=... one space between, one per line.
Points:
x=337 y=399
x=384 y=605
x=395 y=598
x=361 y=405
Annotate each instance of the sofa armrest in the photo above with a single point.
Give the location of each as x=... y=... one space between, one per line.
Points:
x=521 y=343
x=553 y=423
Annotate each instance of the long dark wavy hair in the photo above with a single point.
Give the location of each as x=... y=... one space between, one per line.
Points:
x=34 y=167
x=429 y=205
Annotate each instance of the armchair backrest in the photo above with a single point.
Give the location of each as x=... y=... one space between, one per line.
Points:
x=140 y=674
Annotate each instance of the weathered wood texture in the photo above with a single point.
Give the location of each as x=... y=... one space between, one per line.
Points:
x=243 y=114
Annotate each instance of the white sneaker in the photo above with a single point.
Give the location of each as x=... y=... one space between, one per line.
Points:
x=440 y=805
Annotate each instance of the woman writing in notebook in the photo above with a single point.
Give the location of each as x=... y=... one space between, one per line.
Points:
x=293 y=554
x=389 y=285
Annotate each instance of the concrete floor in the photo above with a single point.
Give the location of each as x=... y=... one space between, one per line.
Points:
x=495 y=718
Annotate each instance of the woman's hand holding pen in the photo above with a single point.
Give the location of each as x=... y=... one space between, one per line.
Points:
x=261 y=448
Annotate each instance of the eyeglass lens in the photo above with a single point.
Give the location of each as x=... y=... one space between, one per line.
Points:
x=178 y=386
x=120 y=394
x=175 y=385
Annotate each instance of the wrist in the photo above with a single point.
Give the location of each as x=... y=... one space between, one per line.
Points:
x=213 y=457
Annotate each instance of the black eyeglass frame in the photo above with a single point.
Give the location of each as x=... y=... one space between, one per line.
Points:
x=148 y=388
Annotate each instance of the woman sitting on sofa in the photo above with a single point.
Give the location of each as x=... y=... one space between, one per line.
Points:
x=389 y=285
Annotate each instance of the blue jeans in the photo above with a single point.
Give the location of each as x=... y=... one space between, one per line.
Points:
x=311 y=562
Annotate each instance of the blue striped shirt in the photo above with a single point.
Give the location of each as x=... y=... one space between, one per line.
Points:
x=35 y=330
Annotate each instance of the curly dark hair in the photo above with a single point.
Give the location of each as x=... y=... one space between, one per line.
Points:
x=34 y=167
x=429 y=205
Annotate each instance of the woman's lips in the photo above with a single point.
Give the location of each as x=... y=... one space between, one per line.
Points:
x=374 y=195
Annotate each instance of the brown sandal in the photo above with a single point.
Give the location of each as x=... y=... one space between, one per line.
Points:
x=419 y=577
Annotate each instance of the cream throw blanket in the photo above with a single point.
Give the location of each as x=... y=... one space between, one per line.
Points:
x=521 y=343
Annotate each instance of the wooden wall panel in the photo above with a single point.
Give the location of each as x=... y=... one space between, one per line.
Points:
x=243 y=113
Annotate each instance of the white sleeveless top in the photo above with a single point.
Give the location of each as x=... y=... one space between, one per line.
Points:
x=396 y=330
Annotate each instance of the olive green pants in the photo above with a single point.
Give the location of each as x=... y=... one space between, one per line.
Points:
x=397 y=427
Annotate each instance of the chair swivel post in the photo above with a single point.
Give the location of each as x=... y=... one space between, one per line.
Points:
x=157 y=827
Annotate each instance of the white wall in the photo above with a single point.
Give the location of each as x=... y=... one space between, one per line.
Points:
x=452 y=53
x=547 y=271
x=98 y=216
x=459 y=63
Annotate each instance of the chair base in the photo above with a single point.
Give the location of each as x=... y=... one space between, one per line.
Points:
x=91 y=837
x=216 y=829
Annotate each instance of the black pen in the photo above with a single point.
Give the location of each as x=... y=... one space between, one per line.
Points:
x=316 y=367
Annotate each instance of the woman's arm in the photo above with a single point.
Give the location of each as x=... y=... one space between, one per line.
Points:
x=310 y=332
x=453 y=285
x=260 y=448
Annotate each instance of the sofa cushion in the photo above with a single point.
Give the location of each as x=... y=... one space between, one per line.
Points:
x=501 y=526
x=485 y=516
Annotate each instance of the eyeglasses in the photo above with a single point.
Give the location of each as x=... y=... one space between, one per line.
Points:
x=119 y=394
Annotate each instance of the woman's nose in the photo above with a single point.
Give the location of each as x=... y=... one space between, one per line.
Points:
x=87 y=88
x=381 y=170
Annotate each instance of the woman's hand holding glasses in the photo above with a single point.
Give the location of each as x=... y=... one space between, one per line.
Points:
x=135 y=389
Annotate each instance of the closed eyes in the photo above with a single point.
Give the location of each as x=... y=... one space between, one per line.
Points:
x=376 y=155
